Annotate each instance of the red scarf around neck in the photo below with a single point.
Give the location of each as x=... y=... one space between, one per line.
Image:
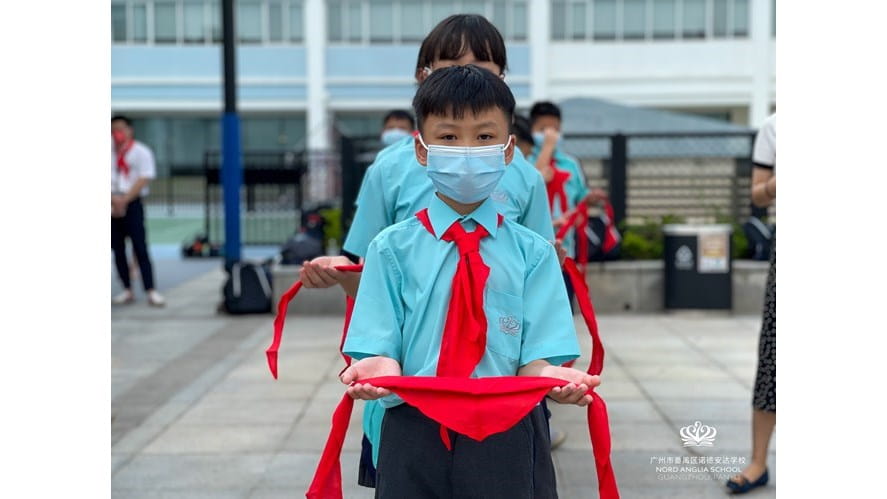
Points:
x=122 y=165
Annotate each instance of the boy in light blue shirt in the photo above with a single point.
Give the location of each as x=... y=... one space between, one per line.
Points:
x=403 y=305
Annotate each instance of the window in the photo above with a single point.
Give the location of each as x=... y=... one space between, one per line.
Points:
x=473 y=7
x=215 y=21
x=249 y=21
x=381 y=21
x=694 y=19
x=297 y=22
x=412 y=21
x=500 y=17
x=664 y=19
x=578 y=26
x=740 y=18
x=559 y=20
x=165 y=22
x=604 y=19
x=354 y=32
x=194 y=21
x=634 y=19
x=720 y=18
x=333 y=21
x=275 y=21
x=139 y=23
x=518 y=29
x=440 y=11
x=118 y=22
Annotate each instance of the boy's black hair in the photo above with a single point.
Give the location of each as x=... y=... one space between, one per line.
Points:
x=453 y=90
x=544 y=108
x=399 y=114
x=521 y=129
x=455 y=35
x=122 y=118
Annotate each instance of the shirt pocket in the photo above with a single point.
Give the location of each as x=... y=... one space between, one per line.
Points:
x=505 y=323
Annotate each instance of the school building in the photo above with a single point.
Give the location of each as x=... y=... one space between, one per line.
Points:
x=309 y=67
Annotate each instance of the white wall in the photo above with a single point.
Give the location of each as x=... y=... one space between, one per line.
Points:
x=677 y=74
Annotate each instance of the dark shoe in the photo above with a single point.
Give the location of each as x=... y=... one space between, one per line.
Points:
x=744 y=485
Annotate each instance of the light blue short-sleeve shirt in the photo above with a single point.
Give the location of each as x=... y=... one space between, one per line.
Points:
x=575 y=188
x=396 y=186
x=401 y=305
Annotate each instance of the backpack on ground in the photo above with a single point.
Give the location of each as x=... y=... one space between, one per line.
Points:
x=248 y=289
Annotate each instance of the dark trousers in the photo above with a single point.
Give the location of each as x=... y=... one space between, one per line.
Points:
x=131 y=225
x=413 y=462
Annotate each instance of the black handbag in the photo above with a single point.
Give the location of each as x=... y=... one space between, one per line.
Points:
x=759 y=236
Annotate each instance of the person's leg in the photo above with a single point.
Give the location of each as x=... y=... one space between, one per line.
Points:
x=764 y=398
x=762 y=424
x=118 y=245
x=135 y=225
x=413 y=461
x=504 y=465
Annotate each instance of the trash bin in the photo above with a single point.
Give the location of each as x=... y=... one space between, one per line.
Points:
x=698 y=269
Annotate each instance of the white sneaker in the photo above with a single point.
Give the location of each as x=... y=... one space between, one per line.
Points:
x=123 y=298
x=155 y=299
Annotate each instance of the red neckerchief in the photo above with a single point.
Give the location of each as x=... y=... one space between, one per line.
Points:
x=465 y=330
x=555 y=188
x=122 y=166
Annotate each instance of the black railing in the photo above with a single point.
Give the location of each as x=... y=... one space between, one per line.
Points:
x=703 y=176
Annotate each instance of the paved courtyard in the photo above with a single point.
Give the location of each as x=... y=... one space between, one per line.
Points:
x=196 y=413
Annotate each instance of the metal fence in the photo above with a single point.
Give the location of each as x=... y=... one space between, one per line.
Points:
x=698 y=177
x=271 y=195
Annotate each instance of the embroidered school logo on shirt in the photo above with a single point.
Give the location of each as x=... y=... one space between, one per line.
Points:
x=499 y=196
x=509 y=325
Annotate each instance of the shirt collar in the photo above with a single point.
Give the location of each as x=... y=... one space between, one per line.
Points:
x=442 y=216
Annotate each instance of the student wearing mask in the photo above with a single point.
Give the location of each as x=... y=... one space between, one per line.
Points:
x=396 y=125
x=458 y=257
x=396 y=185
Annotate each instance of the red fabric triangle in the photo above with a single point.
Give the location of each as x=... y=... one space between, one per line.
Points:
x=555 y=188
x=476 y=407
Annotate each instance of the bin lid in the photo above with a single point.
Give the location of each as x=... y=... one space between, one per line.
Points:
x=693 y=230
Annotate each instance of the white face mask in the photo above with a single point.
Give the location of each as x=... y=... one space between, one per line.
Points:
x=393 y=135
x=466 y=174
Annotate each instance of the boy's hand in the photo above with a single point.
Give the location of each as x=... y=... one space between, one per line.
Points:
x=550 y=136
x=574 y=392
x=370 y=367
x=321 y=272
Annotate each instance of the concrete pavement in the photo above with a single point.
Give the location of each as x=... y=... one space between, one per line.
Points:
x=196 y=413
